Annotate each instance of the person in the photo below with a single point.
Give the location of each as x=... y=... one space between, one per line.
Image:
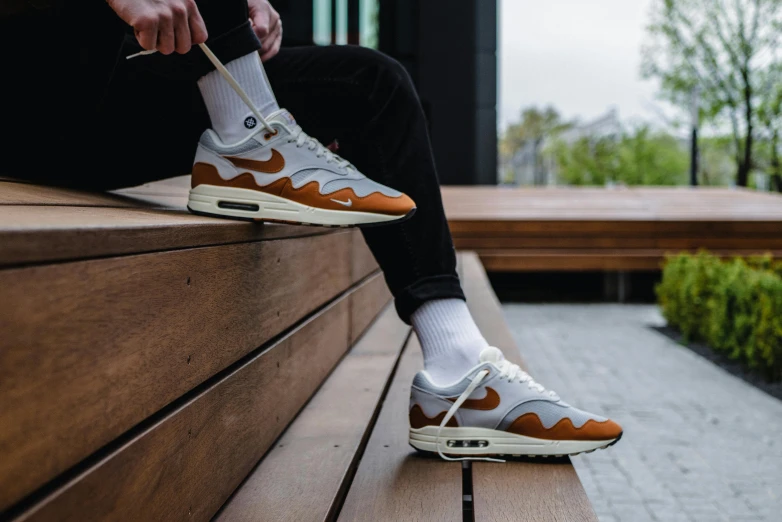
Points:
x=202 y=80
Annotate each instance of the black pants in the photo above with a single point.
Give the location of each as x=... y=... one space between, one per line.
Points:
x=102 y=122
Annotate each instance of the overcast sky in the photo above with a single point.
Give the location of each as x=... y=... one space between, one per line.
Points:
x=581 y=56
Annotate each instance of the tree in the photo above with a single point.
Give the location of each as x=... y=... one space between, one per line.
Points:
x=724 y=47
x=535 y=126
x=639 y=157
x=770 y=118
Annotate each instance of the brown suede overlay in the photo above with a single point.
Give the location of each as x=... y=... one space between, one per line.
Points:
x=309 y=194
x=491 y=401
x=418 y=419
x=270 y=166
x=529 y=425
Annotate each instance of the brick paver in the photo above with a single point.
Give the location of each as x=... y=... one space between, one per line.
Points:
x=699 y=444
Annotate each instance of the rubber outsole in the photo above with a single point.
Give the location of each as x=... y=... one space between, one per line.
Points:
x=284 y=222
x=515 y=455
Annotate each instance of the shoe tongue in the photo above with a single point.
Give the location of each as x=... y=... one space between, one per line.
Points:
x=282 y=116
x=492 y=355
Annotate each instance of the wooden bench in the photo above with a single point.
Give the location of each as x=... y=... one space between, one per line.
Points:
x=156 y=365
x=598 y=229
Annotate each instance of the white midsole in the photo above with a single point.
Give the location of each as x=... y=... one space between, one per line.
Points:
x=497 y=442
x=206 y=199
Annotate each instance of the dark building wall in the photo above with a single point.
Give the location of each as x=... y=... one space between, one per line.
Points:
x=449 y=47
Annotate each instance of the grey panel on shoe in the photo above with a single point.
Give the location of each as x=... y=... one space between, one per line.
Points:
x=302 y=175
x=549 y=414
x=208 y=142
x=419 y=381
x=362 y=187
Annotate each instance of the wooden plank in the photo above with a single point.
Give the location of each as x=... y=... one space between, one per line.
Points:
x=91 y=348
x=393 y=482
x=573 y=261
x=617 y=242
x=551 y=491
x=588 y=203
x=12 y=193
x=363 y=307
x=187 y=464
x=526 y=261
x=363 y=261
x=529 y=492
x=601 y=228
x=314 y=460
x=51 y=233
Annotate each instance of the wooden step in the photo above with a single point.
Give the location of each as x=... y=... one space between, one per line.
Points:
x=306 y=475
x=393 y=482
x=538 y=491
x=45 y=224
x=93 y=347
x=626 y=229
x=184 y=462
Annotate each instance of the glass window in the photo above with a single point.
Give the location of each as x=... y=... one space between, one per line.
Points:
x=321 y=22
x=368 y=23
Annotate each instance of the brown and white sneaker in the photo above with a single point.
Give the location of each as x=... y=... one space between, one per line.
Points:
x=281 y=174
x=498 y=409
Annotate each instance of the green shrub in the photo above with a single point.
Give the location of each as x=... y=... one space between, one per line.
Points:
x=734 y=306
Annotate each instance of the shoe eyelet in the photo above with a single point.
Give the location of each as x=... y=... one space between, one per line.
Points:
x=269 y=135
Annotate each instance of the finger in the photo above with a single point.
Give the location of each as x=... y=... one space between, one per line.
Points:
x=181 y=30
x=268 y=42
x=198 y=34
x=146 y=34
x=260 y=23
x=166 y=42
x=275 y=48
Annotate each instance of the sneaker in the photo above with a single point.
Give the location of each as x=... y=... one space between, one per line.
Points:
x=497 y=409
x=280 y=174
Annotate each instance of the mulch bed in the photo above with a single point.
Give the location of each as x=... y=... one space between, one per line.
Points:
x=735 y=368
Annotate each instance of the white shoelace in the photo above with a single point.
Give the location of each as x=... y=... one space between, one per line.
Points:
x=297 y=135
x=509 y=371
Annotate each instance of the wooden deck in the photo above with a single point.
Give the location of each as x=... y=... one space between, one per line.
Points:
x=623 y=229
x=156 y=365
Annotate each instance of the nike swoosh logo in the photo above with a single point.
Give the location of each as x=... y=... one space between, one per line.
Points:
x=348 y=203
x=491 y=401
x=272 y=165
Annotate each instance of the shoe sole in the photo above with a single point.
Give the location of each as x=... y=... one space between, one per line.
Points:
x=482 y=442
x=253 y=205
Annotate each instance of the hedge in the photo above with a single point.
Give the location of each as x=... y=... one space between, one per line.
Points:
x=734 y=306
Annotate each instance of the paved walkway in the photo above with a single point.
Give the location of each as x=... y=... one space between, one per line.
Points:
x=699 y=444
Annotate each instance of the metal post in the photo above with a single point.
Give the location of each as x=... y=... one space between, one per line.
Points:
x=694 y=137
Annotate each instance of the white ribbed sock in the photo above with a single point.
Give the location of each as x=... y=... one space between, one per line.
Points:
x=231 y=119
x=450 y=339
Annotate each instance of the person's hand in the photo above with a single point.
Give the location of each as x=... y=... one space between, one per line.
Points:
x=267 y=26
x=165 y=25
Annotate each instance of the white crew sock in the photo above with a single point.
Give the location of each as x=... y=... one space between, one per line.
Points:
x=450 y=339
x=232 y=119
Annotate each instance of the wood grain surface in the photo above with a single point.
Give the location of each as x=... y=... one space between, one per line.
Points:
x=363 y=307
x=393 y=482
x=529 y=492
x=571 y=229
x=88 y=349
x=186 y=465
x=516 y=491
x=305 y=476
x=38 y=234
